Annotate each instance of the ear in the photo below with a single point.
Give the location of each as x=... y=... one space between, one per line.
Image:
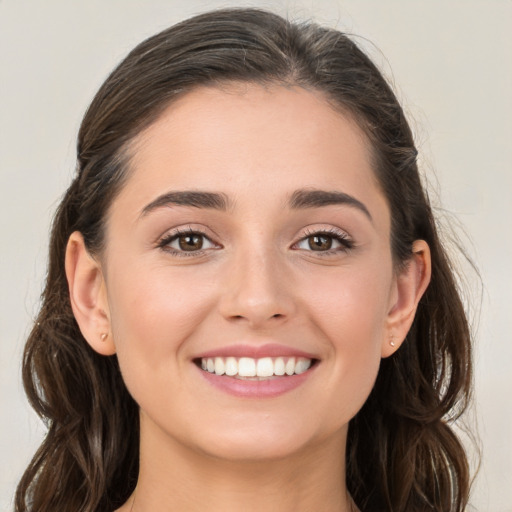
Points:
x=410 y=285
x=88 y=295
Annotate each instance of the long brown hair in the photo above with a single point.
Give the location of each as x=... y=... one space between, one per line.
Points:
x=402 y=454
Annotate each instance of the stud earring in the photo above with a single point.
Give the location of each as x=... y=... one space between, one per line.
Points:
x=104 y=336
x=392 y=341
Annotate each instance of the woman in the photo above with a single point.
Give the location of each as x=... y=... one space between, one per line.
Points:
x=247 y=304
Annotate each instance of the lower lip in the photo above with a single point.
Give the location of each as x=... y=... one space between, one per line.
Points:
x=268 y=388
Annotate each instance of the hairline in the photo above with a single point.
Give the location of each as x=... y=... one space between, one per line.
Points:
x=127 y=151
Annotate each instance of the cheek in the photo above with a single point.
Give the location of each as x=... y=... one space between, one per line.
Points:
x=350 y=305
x=349 y=312
x=153 y=312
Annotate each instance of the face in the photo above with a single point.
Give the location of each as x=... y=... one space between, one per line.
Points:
x=251 y=237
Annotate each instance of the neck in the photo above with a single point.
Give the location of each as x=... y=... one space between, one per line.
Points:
x=175 y=477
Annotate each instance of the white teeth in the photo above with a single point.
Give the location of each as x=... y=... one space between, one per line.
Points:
x=247 y=367
x=302 y=365
x=279 y=366
x=290 y=366
x=231 y=366
x=265 y=367
x=219 y=366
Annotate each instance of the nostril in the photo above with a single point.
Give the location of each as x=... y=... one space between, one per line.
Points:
x=240 y=317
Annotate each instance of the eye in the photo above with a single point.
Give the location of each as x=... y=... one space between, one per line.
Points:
x=186 y=242
x=319 y=242
x=323 y=241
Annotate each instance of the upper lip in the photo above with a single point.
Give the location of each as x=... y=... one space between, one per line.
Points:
x=256 y=351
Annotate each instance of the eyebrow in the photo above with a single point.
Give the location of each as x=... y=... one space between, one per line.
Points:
x=306 y=198
x=300 y=199
x=191 y=198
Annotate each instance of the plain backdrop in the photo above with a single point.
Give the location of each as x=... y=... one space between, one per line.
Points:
x=451 y=65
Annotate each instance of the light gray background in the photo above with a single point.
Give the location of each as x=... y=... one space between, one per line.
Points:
x=451 y=63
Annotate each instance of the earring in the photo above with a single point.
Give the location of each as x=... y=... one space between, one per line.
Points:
x=392 y=341
x=104 y=336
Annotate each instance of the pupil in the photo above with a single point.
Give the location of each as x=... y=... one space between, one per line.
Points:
x=320 y=243
x=191 y=242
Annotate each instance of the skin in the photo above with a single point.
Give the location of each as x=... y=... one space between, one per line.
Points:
x=257 y=280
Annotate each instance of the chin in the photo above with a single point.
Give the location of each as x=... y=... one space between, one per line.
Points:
x=264 y=439
x=261 y=449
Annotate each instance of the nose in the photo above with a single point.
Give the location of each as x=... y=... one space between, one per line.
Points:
x=258 y=291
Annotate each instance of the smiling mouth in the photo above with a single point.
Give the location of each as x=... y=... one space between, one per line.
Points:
x=248 y=368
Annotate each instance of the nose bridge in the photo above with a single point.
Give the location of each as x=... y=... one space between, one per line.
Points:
x=256 y=289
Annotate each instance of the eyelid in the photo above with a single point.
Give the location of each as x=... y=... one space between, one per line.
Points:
x=344 y=240
x=342 y=237
x=166 y=239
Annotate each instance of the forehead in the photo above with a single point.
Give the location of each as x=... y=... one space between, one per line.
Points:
x=234 y=108
x=270 y=140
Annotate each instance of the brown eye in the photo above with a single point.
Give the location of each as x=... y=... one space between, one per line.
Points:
x=190 y=242
x=325 y=242
x=320 y=242
x=187 y=243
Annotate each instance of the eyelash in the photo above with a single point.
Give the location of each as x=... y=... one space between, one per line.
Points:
x=165 y=241
x=337 y=235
